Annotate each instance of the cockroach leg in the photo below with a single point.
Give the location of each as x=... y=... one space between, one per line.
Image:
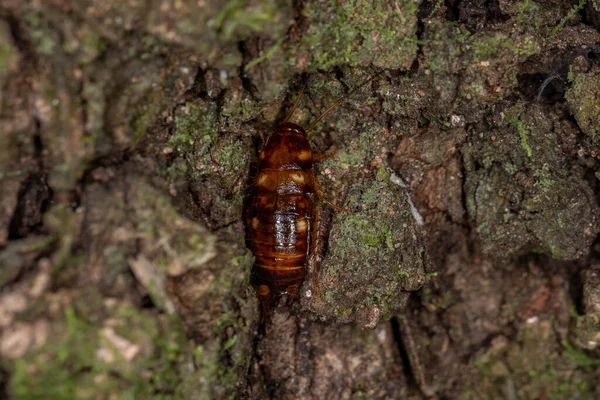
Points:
x=328 y=155
x=413 y=357
x=315 y=244
x=264 y=299
x=321 y=196
x=292 y=290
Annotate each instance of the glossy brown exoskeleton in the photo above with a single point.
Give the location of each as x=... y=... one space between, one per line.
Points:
x=281 y=214
x=283 y=219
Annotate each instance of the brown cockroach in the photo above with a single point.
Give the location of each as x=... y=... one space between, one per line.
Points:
x=283 y=217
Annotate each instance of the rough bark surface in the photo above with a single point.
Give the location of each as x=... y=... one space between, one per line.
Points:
x=466 y=264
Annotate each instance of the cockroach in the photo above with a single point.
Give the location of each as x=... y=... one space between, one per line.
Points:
x=283 y=217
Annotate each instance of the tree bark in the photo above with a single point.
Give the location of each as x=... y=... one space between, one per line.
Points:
x=464 y=263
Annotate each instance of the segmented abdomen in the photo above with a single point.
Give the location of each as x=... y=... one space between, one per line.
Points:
x=279 y=229
x=280 y=214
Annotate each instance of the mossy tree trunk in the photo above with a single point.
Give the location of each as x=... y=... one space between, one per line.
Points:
x=467 y=264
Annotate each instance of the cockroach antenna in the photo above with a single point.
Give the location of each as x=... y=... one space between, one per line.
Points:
x=295 y=104
x=340 y=100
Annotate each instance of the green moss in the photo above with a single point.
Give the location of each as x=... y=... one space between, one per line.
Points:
x=330 y=294
x=578 y=357
x=194 y=124
x=522 y=130
x=41 y=35
x=357 y=152
x=547 y=218
x=444 y=38
x=438 y=6
x=536 y=366
x=146 y=113
x=573 y=12
x=430 y=275
x=402 y=273
x=237 y=18
x=510 y=168
x=6 y=52
x=38 y=376
x=201 y=151
x=93 y=40
x=361 y=32
x=84 y=44
x=472 y=207
x=68 y=366
x=527 y=14
x=554 y=252
x=177 y=171
x=246 y=109
x=584 y=103
x=209 y=358
x=42 y=243
x=487 y=47
x=205 y=157
x=372 y=234
x=268 y=54
x=487 y=162
x=374 y=250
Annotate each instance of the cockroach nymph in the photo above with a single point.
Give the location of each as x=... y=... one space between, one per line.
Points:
x=282 y=219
